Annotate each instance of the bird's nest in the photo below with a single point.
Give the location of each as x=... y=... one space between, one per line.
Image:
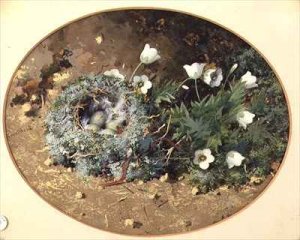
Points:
x=95 y=126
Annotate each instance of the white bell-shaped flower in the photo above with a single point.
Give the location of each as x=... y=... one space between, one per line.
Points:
x=195 y=70
x=244 y=118
x=249 y=80
x=203 y=158
x=234 y=158
x=149 y=55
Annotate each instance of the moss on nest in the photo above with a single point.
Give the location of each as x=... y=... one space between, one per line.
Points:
x=95 y=152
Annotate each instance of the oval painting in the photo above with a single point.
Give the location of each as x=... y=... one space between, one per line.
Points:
x=146 y=122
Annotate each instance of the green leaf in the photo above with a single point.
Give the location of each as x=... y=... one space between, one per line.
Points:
x=164 y=93
x=197 y=130
x=214 y=142
x=178 y=113
x=257 y=133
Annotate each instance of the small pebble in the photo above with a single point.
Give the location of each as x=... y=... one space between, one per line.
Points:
x=33 y=97
x=186 y=223
x=79 y=195
x=69 y=169
x=180 y=178
x=164 y=178
x=256 y=180
x=154 y=196
x=129 y=222
x=223 y=188
x=140 y=182
x=195 y=191
x=99 y=39
x=26 y=107
x=48 y=162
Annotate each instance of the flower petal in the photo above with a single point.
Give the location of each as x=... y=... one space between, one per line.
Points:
x=206 y=152
x=144 y=78
x=136 y=80
x=157 y=57
x=249 y=80
x=198 y=152
x=244 y=118
x=204 y=165
x=149 y=55
x=217 y=79
x=196 y=160
x=195 y=70
x=210 y=158
x=144 y=90
x=207 y=76
x=198 y=68
x=234 y=158
x=147 y=47
x=147 y=84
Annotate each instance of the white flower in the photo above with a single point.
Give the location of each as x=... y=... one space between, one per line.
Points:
x=234 y=158
x=195 y=70
x=249 y=80
x=114 y=73
x=244 y=118
x=203 y=158
x=213 y=77
x=149 y=55
x=142 y=82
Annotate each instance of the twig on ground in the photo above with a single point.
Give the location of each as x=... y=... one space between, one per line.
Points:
x=128 y=189
x=163 y=203
x=106 y=220
x=76 y=155
x=159 y=129
x=168 y=126
x=43 y=101
x=123 y=176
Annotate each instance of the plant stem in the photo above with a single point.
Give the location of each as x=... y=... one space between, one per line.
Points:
x=182 y=83
x=168 y=126
x=196 y=88
x=134 y=71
